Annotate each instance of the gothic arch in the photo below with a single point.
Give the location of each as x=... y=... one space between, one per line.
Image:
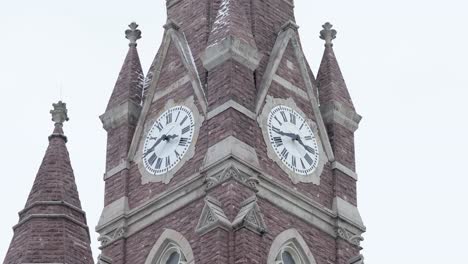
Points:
x=166 y=243
x=292 y=242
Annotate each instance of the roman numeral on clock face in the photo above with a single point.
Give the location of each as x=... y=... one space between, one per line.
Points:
x=183 y=142
x=168 y=161
x=308 y=138
x=285 y=153
x=284 y=116
x=160 y=127
x=183 y=120
x=276 y=130
x=293 y=161
x=292 y=117
x=159 y=163
x=152 y=159
x=308 y=159
x=278 y=141
x=168 y=118
x=185 y=129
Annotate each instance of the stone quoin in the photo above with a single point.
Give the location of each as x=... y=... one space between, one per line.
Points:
x=228 y=150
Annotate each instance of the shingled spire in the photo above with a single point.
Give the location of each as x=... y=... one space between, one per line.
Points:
x=330 y=80
x=52 y=226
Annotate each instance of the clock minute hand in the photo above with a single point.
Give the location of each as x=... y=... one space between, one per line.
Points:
x=307 y=148
x=291 y=135
x=155 y=145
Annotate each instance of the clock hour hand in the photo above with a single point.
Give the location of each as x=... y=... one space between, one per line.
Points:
x=307 y=148
x=154 y=145
x=170 y=137
x=291 y=135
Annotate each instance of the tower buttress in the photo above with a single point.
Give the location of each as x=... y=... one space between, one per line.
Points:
x=52 y=227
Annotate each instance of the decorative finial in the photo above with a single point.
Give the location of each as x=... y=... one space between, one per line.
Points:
x=59 y=113
x=328 y=34
x=133 y=34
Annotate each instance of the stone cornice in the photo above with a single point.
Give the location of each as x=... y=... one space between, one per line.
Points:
x=126 y=112
x=347 y=171
x=343 y=215
x=234 y=105
x=335 y=112
x=288 y=85
x=56 y=203
x=114 y=171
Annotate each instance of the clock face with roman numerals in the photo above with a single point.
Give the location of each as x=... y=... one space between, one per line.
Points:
x=293 y=140
x=168 y=140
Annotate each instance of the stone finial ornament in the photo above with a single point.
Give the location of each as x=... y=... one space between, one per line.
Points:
x=133 y=34
x=328 y=34
x=59 y=113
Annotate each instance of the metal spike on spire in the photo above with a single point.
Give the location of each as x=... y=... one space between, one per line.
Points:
x=133 y=34
x=328 y=34
x=59 y=113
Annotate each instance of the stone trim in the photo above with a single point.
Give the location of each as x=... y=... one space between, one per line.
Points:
x=114 y=211
x=167 y=237
x=64 y=216
x=103 y=260
x=288 y=85
x=347 y=171
x=349 y=236
x=232 y=172
x=290 y=236
x=212 y=216
x=171 y=3
x=124 y=165
x=269 y=189
x=228 y=105
x=230 y=147
x=231 y=48
x=336 y=112
x=250 y=216
x=60 y=203
x=126 y=112
x=356 y=260
x=347 y=211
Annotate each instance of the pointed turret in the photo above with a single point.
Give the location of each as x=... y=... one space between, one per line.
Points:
x=330 y=80
x=130 y=81
x=52 y=226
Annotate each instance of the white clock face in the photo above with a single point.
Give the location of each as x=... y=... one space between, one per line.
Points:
x=293 y=140
x=168 y=140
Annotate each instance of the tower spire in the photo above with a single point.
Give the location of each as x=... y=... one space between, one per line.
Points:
x=52 y=222
x=133 y=34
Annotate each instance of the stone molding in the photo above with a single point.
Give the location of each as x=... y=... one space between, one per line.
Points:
x=290 y=236
x=103 y=260
x=228 y=105
x=269 y=189
x=262 y=120
x=288 y=85
x=356 y=260
x=171 y=88
x=347 y=171
x=231 y=48
x=212 y=216
x=108 y=239
x=250 y=217
x=230 y=147
x=124 y=165
x=63 y=216
x=170 y=236
x=232 y=172
x=288 y=34
x=349 y=236
x=55 y=203
x=128 y=112
x=114 y=210
x=336 y=112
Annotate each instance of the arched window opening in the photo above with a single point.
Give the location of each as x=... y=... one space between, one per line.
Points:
x=172 y=255
x=289 y=255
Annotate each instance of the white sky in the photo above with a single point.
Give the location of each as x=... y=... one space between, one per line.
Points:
x=404 y=63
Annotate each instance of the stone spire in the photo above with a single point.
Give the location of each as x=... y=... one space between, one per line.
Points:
x=52 y=227
x=331 y=84
x=130 y=81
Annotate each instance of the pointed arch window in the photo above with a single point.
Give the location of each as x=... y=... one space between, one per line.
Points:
x=171 y=248
x=290 y=248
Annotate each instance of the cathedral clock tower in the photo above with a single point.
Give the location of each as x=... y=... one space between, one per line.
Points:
x=229 y=150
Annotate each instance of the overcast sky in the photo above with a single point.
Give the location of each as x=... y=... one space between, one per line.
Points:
x=405 y=63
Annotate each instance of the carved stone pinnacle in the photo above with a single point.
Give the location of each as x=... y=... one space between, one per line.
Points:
x=328 y=34
x=133 y=34
x=59 y=113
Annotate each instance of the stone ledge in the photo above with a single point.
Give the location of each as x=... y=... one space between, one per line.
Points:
x=288 y=85
x=347 y=171
x=60 y=203
x=126 y=112
x=336 y=112
x=230 y=147
x=234 y=105
x=112 y=172
x=231 y=48
x=67 y=217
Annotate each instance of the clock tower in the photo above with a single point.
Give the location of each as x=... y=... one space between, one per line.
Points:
x=229 y=150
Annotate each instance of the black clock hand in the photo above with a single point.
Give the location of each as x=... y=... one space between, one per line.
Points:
x=307 y=148
x=291 y=135
x=171 y=137
x=163 y=137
